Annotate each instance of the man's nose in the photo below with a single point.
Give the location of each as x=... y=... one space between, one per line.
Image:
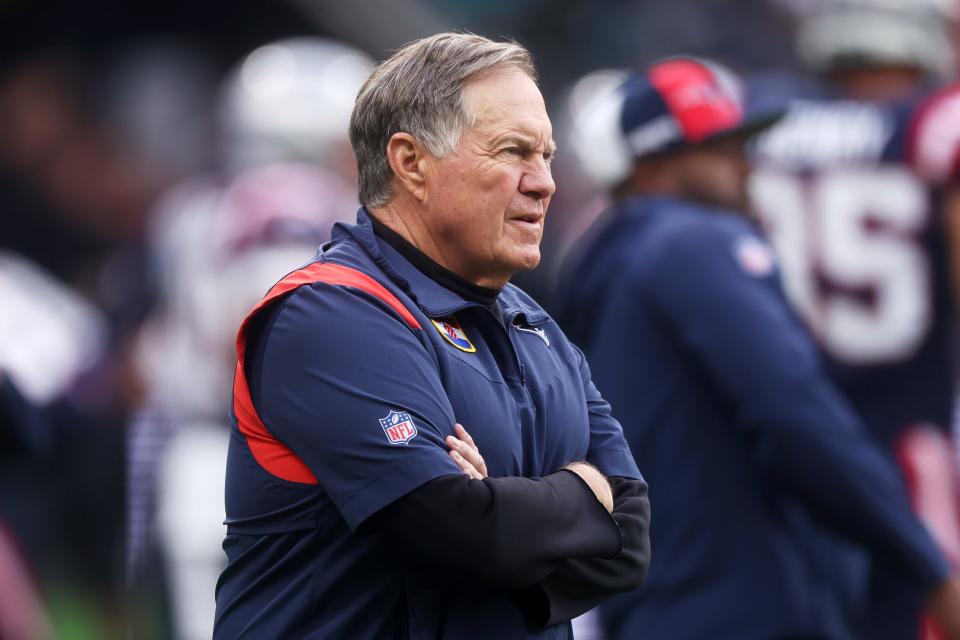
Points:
x=537 y=181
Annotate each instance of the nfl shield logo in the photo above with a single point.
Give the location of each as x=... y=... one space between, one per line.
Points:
x=399 y=427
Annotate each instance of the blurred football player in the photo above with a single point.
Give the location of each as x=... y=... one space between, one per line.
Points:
x=769 y=496
x=51 y=339
x=219 y=242
x=290 y=101
x=853 y=191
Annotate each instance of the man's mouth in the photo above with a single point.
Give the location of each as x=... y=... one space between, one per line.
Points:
x=530 y=218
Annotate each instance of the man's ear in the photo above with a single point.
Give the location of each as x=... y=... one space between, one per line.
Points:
x=408 y=160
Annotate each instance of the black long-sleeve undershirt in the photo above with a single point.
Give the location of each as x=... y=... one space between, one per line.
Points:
x=508 y=532
x=557 y=580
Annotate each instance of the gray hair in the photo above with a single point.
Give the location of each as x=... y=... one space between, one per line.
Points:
x=419 y=90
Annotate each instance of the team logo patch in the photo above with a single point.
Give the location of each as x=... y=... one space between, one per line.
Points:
x=755 y=256
x=399 y=427
x=454 y=333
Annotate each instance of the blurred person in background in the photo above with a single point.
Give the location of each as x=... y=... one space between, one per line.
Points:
x=51 y=339
x=73 y=292
x=219 y=241
x=767 y=491
x=858 y=194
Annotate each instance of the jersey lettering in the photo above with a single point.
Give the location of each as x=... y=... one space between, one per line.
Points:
x=852 y=261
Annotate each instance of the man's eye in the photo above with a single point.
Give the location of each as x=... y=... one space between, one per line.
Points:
x=513 y=151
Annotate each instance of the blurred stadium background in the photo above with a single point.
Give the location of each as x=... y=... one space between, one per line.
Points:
x=162 y=163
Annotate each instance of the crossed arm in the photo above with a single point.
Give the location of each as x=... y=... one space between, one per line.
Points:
x=508 y=532
x=549 y=584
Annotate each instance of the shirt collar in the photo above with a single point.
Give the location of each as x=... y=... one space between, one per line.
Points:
x=436 y=272
x=433 y=299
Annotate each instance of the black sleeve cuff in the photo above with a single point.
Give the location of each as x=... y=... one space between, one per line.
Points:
x=579 y=584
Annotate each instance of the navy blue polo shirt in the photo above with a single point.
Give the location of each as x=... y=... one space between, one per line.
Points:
x=761 y=477
x=369 y=364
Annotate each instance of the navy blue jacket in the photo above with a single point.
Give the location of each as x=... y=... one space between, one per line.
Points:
x=369 y=365
x=761 y=476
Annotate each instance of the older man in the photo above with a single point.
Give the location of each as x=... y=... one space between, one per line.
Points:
x=357 y=506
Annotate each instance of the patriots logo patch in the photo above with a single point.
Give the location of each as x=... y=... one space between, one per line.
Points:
x=755 y=256
x=399 y=427
x=454 y=334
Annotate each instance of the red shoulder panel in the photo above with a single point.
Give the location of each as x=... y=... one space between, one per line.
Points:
x=270 y=453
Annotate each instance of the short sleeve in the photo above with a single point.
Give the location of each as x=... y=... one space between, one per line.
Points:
x=352 y=390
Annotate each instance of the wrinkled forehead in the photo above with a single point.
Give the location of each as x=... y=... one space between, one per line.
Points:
x=508 y=100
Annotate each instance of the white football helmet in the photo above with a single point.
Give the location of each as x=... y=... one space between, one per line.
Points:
x=593 y=108
x=290 y=101
x=879 y=32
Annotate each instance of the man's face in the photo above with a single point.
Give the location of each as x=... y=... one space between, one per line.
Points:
x=716 y=173
x=486 y=202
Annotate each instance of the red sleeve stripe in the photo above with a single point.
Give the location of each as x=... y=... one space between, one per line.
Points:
x=269 y=452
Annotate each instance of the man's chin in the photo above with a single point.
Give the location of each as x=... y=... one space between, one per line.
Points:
x=518 y=260
x=528 y=261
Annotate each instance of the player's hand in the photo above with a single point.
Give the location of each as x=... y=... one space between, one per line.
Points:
x=596 y=481
x=465 y=453
x=944 y=607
